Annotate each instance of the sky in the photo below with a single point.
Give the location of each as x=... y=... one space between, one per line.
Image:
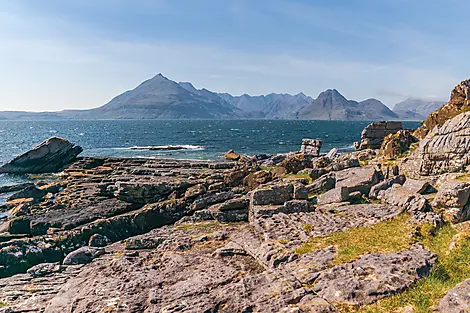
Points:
x=74 y=54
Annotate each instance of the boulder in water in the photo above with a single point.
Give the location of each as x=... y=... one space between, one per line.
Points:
x=50 y=156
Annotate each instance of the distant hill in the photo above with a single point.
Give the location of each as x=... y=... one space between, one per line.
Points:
x=331 y=105
x=162 y=98
x=283 y=106
x=416 y=109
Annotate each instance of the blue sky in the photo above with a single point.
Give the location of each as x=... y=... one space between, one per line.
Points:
x=57 y=54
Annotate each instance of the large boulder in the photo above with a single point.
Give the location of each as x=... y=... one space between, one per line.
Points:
x=296 y=162
x=311 y=147
x=276 y=194
x=83 y=255
x=408 y=200
x=453 y=198
x=335 y=195
x=358 y=178
x=50 y=156
x=373 y=135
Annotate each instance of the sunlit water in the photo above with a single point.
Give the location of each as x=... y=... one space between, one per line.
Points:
x=201 y=139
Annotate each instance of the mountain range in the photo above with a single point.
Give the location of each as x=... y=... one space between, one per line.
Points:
x=162 y=98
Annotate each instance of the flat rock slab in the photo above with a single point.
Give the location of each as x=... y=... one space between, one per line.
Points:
x=325 y=220
x=358 y=178
x=457 y=300
x=374 y=276
x=31 y=293
x=192 y=270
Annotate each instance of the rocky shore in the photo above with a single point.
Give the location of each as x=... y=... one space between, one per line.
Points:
x=381 y=229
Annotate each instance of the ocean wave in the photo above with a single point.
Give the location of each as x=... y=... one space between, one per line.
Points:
x=167 y=148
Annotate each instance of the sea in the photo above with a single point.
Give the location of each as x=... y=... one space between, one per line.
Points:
x=194 y=139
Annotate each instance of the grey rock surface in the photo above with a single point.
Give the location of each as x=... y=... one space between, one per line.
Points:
x=374 y=276
x=51 y=155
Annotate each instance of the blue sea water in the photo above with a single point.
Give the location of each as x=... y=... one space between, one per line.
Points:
x=202 y=139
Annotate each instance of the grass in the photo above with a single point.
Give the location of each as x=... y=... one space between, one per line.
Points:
x=453 y=267
x=266 y=168
x=3 y=304
x=387 y=236
x=33 y=290
x=297 y=176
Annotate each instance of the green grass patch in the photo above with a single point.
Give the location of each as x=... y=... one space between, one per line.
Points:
x=3 y=304
x=266 y=168
x=387 y=236
x=297 y=176
x=33 y=290
x=453 y=267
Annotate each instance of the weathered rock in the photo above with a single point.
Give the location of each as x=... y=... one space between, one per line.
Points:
x=374 y=276
x=82 y=255
x=373 y=135
x=457 y=300
x=143 y=242
x=394 y=145
x=322 y=184
x=195 y=191
x=314 y=173
x=343 y=162
x=98 y=241
x=211 y=199
x=418 y=186
x=409 y=201
x=374 y=191
x=13 y=188
x=359 y=179
x=50 y=156
x=295 y=162
x=235 y=178
x=147 y=192
x=232 y=156
x=336 y=195
x=44 y=269
x=29 y=192
x=234 y=204
x=276 y=194
x=18 y=225
x=458 y=103
x=254 y=180
x=332 y=154
x=311 y=147
x=453 y=198
x=300 y=192
x=445 y=149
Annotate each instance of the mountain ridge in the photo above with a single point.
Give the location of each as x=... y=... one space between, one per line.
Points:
x=162 y=98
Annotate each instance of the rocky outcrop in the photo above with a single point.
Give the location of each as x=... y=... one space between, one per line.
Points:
x=458 y=103
x=396 y=144
x=311 y=147
x=445 y=149
x=50 y=156
x=373 y=135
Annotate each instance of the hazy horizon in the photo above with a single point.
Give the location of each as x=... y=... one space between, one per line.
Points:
x=59 y=55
